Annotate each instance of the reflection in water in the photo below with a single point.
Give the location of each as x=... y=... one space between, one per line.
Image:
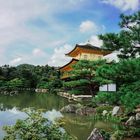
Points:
x=12 y=109
x=38 y=101
x=9 y=117
x=53 y=115
x=81 y=126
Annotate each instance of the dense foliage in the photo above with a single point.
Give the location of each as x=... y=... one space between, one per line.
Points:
x=29 y=76
x=35 y=127
x=125 y=73
x=100 y=109
x=107 y=98
x=82 y=76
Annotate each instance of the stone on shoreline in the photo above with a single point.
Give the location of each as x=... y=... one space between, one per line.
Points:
x=71 y=108
x=85 y=111
x=138 y=117
x=115 y=110
x=95 y=135
x=39 y=90
x=78 y=109
x=130 y=121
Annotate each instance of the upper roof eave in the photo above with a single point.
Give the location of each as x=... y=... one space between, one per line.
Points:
x=86 y=46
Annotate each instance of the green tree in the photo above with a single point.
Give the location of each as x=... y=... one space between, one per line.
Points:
x=15 y=83
x=82 y=76
x=124 y=72
x=31 y=77
x=27 y=73
x=127 y=41
x=35 y=127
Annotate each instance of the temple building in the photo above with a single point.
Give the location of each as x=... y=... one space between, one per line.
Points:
x=82 y=52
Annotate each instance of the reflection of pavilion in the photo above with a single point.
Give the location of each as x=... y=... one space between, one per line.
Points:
x=82 y=52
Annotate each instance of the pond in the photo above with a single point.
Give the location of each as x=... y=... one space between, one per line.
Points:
x=11 y=109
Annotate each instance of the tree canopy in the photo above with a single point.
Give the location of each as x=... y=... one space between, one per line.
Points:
x=36 y=127
x=82 y=76
x=126 y=72
x=127 y=41
x=28 y=76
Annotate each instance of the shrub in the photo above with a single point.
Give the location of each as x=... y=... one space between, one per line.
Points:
x=100 y=109
x=130 y=100
x=130 y=96
x=35 y=127
x=106 y=135
x=106 y=97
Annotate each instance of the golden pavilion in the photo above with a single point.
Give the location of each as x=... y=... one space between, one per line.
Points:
x=82 y=52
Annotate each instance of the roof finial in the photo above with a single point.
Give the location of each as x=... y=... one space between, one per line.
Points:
x=88 y=42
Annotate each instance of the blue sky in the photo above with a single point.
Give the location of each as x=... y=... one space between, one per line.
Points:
x=40 y=32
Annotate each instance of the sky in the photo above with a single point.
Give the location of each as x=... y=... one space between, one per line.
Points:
x=40 y=32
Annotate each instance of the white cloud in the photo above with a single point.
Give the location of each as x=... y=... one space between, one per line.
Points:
x=2 y=56
x=95 y=41
x=59 y=58
x=124 y=5
x=112 y=57
x=57 y=43
x=88 y=26
x=16 y=61
x=38 y=52
x=38 y=58
x=14 y=16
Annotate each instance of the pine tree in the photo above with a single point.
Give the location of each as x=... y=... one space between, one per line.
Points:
x=82 y=76
x=127 y=41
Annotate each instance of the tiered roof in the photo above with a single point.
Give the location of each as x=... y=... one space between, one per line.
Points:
x=79 y=49
x=88 y=48
x=68 y=66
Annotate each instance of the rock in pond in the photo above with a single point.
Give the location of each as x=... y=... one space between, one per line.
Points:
x=71 y=108
x=85 y=111
x=130 y=121
x=138 y=117
x=78 y=109
x=95 y=135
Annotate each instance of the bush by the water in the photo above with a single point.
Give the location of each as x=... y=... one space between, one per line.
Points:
x=100 y=109
x=130 y=96
x=106 y=97
x=35 y=127
x=124 y=97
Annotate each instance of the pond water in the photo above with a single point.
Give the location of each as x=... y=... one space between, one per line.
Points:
x=11 y=109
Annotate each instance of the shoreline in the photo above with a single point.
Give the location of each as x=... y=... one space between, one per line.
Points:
x=74 y=97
